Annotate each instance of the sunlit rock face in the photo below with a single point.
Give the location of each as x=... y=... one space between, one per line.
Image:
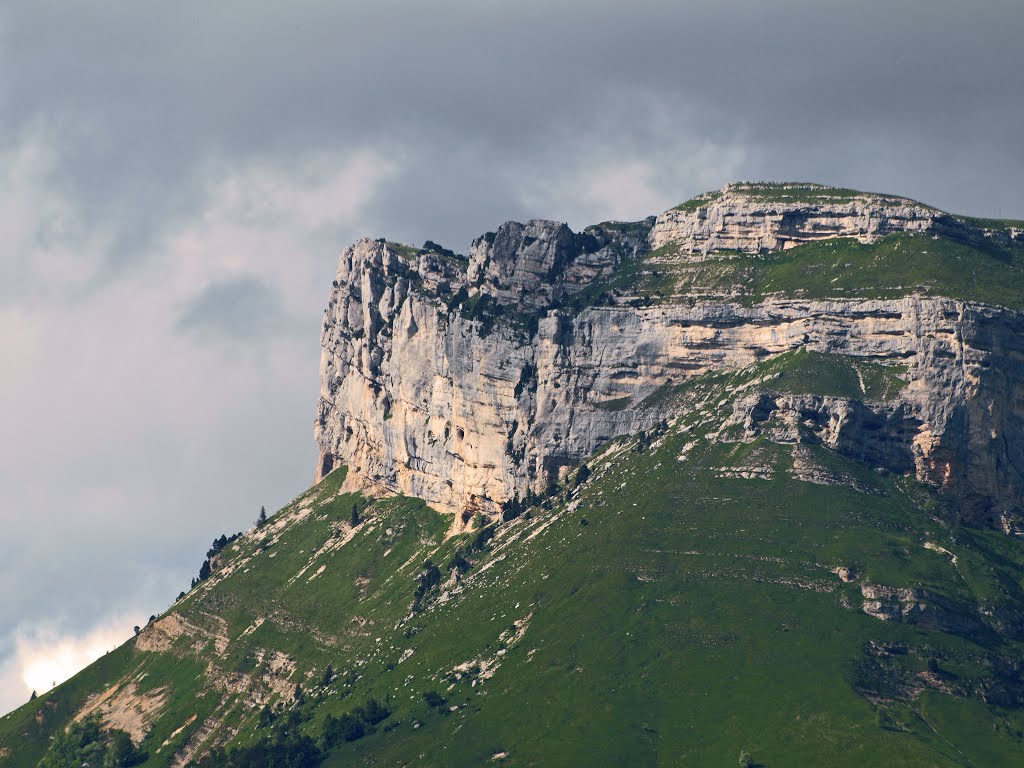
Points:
x=756 y=218
x=470 y=381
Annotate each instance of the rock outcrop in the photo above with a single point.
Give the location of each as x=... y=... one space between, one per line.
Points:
x=468 y=382
x=535 y=264
x=756 y=218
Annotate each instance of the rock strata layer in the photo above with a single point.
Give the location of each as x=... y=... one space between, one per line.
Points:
x=754 y=219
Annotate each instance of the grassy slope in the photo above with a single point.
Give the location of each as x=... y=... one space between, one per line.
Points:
x=315 y=622
x=690 y=619
x=803 y=371
x=693 y=616
x=894 y=266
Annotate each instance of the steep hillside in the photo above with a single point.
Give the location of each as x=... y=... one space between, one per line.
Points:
x=705 y=590
x=788 y=536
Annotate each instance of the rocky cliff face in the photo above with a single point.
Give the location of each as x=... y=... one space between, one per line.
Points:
x=468 y=382
x=759 y=218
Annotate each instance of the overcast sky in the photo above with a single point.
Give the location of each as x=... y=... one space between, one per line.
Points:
x=177 y=179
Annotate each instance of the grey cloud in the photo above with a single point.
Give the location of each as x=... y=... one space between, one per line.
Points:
x=241 y=308
x=152 y=95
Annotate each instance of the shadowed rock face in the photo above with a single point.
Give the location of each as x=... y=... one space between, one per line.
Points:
x=878 y=434
x=468 y=382
x=536 y=263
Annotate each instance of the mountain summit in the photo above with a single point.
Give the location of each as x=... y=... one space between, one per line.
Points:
x=470 y=382
x=741 y=481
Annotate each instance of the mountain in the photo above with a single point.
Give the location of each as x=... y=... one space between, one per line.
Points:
x=739 y=481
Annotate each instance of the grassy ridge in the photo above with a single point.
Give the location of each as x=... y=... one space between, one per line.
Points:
x=896 y=265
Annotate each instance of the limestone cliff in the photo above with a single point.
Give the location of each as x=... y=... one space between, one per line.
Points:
x=755 y=218
x=470 y=381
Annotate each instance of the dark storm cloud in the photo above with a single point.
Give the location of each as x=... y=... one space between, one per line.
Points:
x=178 y=179
x=142 y=100
x=241 y=308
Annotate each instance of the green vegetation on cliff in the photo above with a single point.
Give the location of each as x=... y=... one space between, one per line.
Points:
x=804 y=372
x=896 y=265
